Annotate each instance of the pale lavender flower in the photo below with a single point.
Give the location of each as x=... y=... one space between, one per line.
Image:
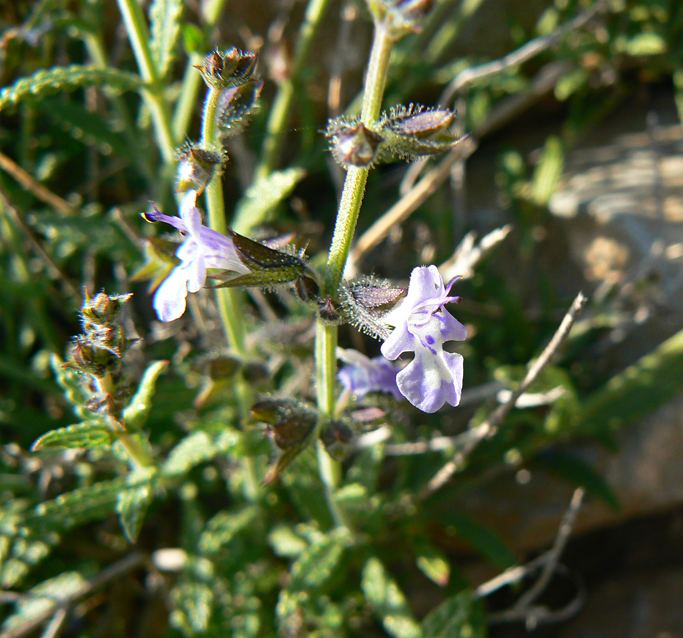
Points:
x=202 y=248
x=362 y=375
x=422 y=326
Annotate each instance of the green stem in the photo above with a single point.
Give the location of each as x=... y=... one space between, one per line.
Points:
x=356 y=178
x=192 y=80
x=279 y=111
x=138 y=35
x=228 y=300
x=347 y=216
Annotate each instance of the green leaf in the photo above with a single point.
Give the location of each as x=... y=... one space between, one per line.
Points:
x=193 y=602
x=319 y=562
x=82 y=435
x=642 y=388
x=262 y=196
x=285 y=542
x=67 y=78
x=388 y=601
x=193 y=39
x=132 y=502
x=434 y=564
x=136 y=411
x=71 y=383
x=482 y=539
x=43 y=597
x=165 y=27
x=548 y=171
x=578 y=472
x=643 y=44
x=196 y=448
x=224 y=526
x=457 y=617
x=85 y=126
x=76 y=507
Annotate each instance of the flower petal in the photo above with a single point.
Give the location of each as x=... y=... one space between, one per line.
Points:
x=430 y=380
x=170 y=297
x=398 y=342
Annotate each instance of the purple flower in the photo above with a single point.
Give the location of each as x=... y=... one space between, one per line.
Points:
x=422 y=326
x=202 y=248
x=363 y=375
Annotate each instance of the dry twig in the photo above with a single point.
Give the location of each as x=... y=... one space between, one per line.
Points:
x=509 y=108
x=34 y=186
x=118 y=569
x=471 y=439
x=518 y=56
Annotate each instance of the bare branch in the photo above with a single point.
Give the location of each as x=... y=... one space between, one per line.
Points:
x=32 y=185
x=489 y=427
x=468 y=253
x=518 y=56
x=509 y=108
x=118 y=569
x=526 y=609
x=50 y=263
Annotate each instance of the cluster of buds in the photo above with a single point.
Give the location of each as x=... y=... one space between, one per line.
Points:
x=400 y=17
x=98 y=352
x=231 y=73
x=402 y=133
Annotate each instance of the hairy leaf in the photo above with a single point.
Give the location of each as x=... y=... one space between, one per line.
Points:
x=132 y=503
x=458 y=616
x=388 y=601
x=165 y=28
x=262 y=196
x=224 y=526
x=67 y=78
x=82 y=435
x=136 y=411
x=319 y=562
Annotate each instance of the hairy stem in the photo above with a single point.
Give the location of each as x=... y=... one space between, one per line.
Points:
x=192 y=81
x=138 y=34
x=279 y=112
x=228 y=300
x=347 y=216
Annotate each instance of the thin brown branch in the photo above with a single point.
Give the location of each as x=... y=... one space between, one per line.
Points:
x=118 y=569
x=518 y=56
x=34 y=186
x=489 y=427
x=526 y=608
x=50 y=263
x=508 y=109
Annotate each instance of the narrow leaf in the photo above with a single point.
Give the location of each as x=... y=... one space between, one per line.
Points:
x=548 y=171
x=136 y=411
x=318 y=562
x=434 y=564
x=67 y=78
x=388 y=601
x=224 y=526
x=482 y=539
x=165 y=28
x=265 y=194
x=82 y=435
x=132 y=503
x=458 y=616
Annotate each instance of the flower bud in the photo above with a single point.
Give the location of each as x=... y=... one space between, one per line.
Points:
x=353 y=144
x=400 y=17
x=222 y=69
x=236 y=105
x=291 y=422
x=414 y=131
x=196 y=167
x=337 y=437
x=366 y=300
x=84 y=355
x=103 y=308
